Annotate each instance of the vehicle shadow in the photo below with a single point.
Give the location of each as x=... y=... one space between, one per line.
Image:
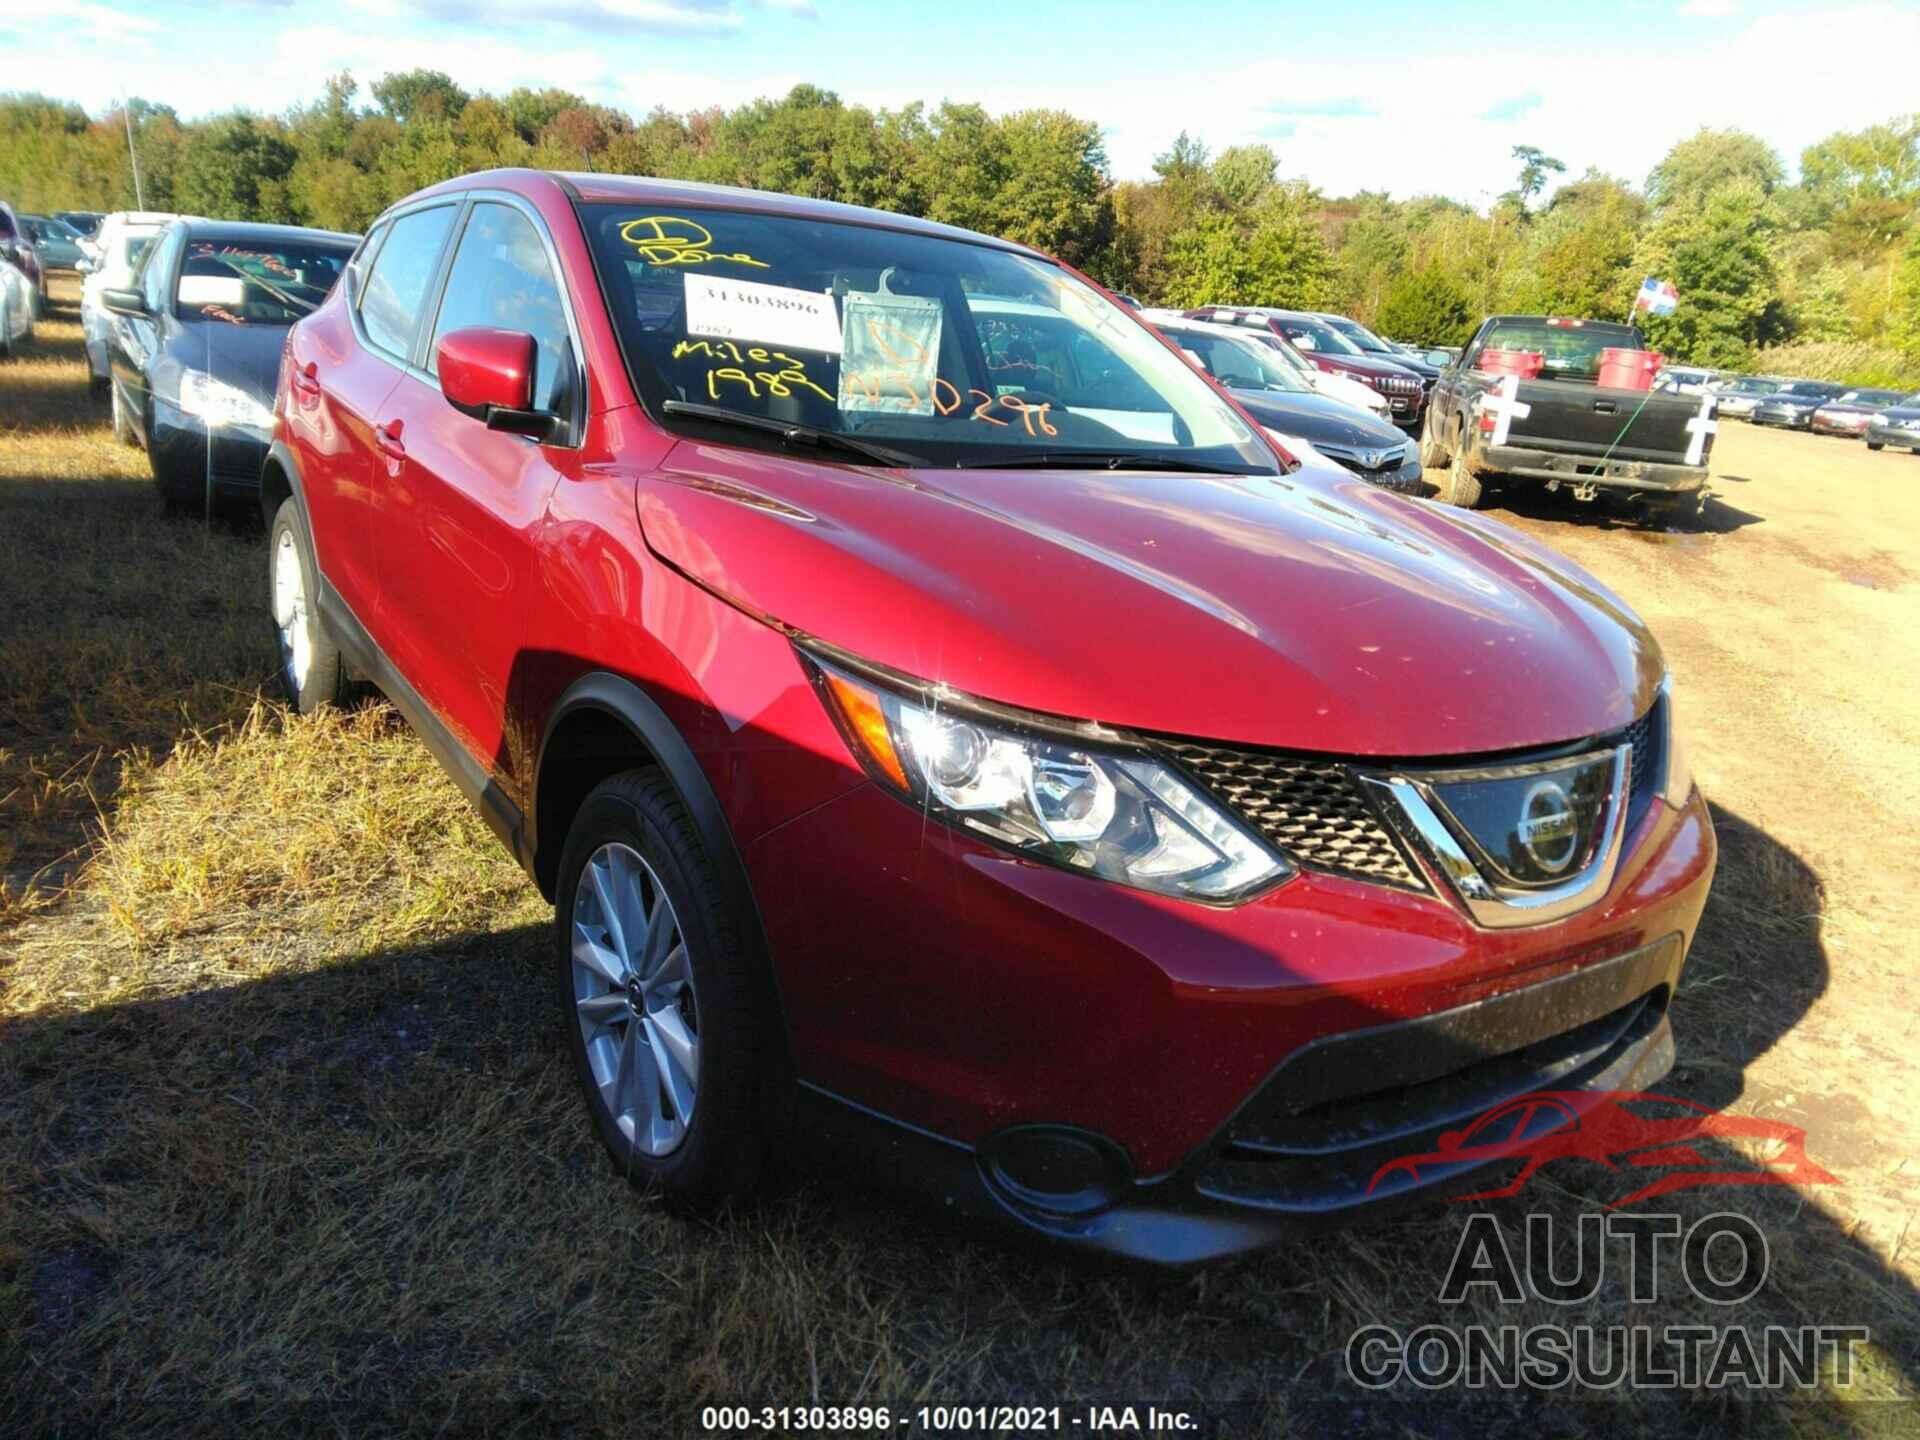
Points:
x=364 y=1193
x=1716 y=518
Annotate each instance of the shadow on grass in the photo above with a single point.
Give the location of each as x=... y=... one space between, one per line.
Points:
x=365 y=1196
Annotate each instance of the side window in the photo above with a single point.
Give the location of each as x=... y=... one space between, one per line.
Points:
x=152 y=279
x=362 y=258
x=501 y=278
x=397 y=285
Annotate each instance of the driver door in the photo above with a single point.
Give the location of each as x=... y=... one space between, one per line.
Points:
x=465 y=503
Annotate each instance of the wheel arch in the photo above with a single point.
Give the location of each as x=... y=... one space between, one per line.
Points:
x=279 y=481
x=603 y=725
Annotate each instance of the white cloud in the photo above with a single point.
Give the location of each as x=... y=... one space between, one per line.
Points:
x=1709 y=9
x=1418 y=122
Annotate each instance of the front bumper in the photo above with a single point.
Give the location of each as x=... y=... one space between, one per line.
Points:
x=1848 y=429
x=1171 y=1082
x=1899 y=437
x=187 y=456
x=1584 y=470
x=1317 y=1143
x=1786 y=417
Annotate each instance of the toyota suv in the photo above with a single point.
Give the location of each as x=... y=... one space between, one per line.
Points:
x=948 y=728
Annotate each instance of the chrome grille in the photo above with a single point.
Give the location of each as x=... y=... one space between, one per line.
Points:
x=1646 y=735
x=1311 y=809
x=1316 y=813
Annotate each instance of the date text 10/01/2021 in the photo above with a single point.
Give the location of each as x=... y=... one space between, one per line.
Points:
x=950 y=1419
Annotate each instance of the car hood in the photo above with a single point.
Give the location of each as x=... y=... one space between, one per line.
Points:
x=1364 y=364
x=1319 y=419
x=1897 y=413
x=246 y=357
x=1795 y=402
x=1310 y=611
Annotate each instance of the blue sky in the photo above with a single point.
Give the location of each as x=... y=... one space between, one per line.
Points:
x=1408 y=97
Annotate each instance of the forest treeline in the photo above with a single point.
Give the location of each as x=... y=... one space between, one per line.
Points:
x=1817 y=276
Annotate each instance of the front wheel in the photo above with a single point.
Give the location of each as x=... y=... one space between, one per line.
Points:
x=311 y=670
x=1875 y=444
x=663 y=1017
x=1460 y=483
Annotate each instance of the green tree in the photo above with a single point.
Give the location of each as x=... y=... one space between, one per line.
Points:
x=1535 y=166
x=1903 y=326
x=1707 y=160
x=1243 y=174
x=422 y=94
x=1279 y=260
x=1424 y=307
x=235 y=168
x=1720 y=258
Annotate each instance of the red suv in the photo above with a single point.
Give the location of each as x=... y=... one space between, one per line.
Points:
x=946 y=726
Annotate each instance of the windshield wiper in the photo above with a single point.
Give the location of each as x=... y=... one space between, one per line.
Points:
x=1092 y=460
x=799 y=436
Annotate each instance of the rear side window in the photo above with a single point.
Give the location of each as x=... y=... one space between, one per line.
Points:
x=501 y=277
x=397 y=285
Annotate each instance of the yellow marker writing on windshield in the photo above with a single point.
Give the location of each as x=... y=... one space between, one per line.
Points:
x=674 y=240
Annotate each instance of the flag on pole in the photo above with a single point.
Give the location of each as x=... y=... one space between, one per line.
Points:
x=1657 y=297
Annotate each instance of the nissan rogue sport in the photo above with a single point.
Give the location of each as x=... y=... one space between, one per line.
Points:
x=947 y=727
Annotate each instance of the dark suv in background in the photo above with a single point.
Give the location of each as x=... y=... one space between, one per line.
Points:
x=1328 y=349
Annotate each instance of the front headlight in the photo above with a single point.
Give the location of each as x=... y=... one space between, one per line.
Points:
x=1678 y=784
x=1117 y=814
x=219 y=403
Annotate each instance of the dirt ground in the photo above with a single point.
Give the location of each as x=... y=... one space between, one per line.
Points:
x=1791 y=618
x=287 y=1137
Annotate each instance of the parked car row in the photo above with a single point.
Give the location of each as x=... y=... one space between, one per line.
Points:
x=1824 y=407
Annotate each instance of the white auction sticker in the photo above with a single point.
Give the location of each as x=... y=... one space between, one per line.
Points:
x=729 y=309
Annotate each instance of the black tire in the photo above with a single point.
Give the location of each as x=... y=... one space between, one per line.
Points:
x=325 y=681
x=719 y=1155
x=1460 y=484
x=1875 y=444
x=1433 y=454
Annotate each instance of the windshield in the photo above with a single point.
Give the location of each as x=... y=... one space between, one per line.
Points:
x=1811 y=390
x=256 y=282
x=941 y=351
x=1361 y=336
x=1569 y=352
x=1314 y=335
x=1234 y=362
x=1872 y=397
x=1747 y=387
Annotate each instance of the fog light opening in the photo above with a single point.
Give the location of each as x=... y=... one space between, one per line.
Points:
x=1057 y=1171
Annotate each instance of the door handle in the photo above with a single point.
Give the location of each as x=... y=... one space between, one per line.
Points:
x=387 y=437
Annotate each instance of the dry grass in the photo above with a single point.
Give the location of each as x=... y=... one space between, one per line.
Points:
x=287 y=1138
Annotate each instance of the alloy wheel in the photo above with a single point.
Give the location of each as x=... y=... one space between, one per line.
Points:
x=290 y=611
x=634 y=998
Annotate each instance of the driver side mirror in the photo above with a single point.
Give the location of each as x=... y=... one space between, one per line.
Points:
x=488 y=374
x=124 y=302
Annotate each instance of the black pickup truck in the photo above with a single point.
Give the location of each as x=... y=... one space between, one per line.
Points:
x=1562 y=429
